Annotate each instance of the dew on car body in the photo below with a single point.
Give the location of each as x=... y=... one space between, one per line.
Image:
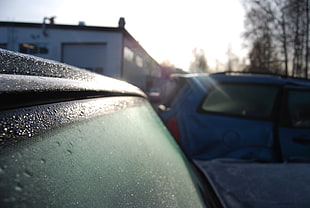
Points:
x=19 y=187
x=27 y=173
x=2 y=170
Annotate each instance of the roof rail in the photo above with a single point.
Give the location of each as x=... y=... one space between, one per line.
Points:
x=251 y=72
x=260 y=73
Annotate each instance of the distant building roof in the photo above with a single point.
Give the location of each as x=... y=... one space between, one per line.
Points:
x=59 y=26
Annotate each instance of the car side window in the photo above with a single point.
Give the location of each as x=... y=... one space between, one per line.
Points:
x=255 y=101
x=298 y=108
x=173 y=89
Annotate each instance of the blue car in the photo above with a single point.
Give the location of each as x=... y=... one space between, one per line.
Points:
x=240 y=116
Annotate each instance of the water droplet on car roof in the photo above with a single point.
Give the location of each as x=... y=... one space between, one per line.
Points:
x=27 y=174
x=19 y=187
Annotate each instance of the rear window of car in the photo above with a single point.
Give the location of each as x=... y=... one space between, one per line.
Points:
x=173 y=88
x=299 y=108
x=118 y=155
x=246 y=100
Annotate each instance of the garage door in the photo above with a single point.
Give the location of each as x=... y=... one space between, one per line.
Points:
x=91 y=56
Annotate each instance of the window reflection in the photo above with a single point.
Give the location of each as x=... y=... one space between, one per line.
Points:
x=241 y=100
x=298 y=108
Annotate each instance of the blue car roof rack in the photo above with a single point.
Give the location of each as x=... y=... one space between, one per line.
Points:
x=258 y=73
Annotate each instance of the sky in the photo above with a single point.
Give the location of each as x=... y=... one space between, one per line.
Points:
x=166 y=29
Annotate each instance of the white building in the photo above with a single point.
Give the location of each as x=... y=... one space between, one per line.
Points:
x=110 y=51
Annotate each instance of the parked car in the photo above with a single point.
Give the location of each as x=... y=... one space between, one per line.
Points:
x=72 y=138
x=240 y=115
x=154 y=95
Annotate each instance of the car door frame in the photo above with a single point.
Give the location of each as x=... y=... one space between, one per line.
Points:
x=288 y=135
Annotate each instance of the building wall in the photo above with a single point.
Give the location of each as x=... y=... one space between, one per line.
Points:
x=139 y=67
x=110 y=51
x=55 y=39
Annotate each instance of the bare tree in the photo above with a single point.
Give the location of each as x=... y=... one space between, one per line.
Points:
x=286 y=23
x=232 y=60
x=199 y=64
x=307 y=39
x=297 y=20
x=266 y=24
x=167 y=63
x=263 y=57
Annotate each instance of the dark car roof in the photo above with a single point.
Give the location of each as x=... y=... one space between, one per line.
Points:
x=244 y=184
x=38 y=80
